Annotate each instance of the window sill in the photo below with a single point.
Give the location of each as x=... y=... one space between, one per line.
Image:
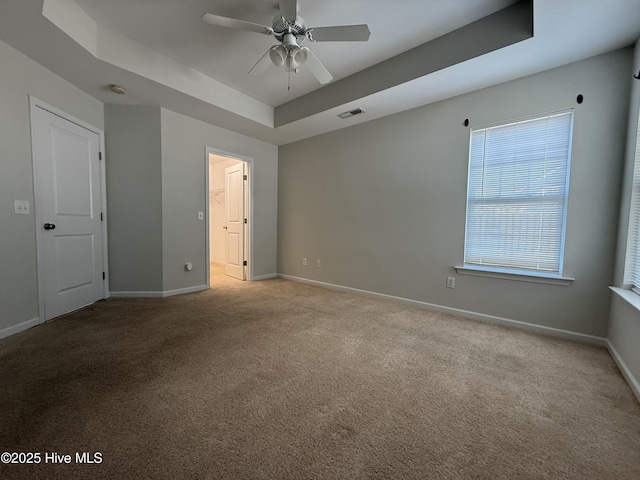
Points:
x=628 y=296
x=519 y=277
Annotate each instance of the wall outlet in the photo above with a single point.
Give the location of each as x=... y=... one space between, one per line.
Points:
x=318 y=263
x=451 y=282
x=304 y=261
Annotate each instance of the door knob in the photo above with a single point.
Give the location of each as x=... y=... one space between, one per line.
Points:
x=49 y=226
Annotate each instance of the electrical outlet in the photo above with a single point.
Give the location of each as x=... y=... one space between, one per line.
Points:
x=318 y=263
x=304 y=261
x=451 y=282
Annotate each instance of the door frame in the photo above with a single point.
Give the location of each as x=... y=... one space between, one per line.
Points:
x=34 y=104
x=248 y=255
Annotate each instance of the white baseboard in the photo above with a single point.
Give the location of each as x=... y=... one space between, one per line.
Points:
x=264 y=277
x=136 y=294
x=626 y=372
x=556 y=332
x=181 y=291
x=13 y=329
x=163 y=294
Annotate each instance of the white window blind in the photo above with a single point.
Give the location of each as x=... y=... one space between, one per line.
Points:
x=632 y=262
x=517 y=194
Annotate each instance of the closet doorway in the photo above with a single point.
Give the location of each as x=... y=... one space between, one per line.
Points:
x=228 y=215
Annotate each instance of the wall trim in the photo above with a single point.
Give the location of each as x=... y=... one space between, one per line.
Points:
x=20 y=327
x=482 y=317
x=633 y=382
x=181 y=291
x=264 y=277
x=136 y=294
x=162 y=294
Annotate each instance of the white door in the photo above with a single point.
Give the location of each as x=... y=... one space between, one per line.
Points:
x=234 y=226
x=68 y=213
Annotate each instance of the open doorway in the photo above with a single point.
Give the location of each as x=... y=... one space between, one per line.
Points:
x=228 y=215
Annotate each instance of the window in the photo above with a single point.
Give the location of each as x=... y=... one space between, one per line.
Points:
x=632 y=263
x=517 y=196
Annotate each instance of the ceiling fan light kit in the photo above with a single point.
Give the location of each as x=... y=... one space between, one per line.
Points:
x=290 y=30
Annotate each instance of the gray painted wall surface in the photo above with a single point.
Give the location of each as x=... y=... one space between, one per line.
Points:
x=382 y=204
x=624 y=323
x=134 y=198
x=184 y=141
x=19 y=78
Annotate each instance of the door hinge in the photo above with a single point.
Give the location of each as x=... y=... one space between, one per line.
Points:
x=104 y=276
x=101 y=217
x=99 y=155
x=244 y=177
x=245 y=220
x=244 y=264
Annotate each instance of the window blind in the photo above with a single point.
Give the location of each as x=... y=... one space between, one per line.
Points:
x=517 y=194
x=632 y=261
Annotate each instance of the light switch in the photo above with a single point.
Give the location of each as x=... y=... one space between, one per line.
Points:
x=200 y=215
x=21 y=207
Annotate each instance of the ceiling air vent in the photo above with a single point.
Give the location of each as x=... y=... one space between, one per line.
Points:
x=351 y=113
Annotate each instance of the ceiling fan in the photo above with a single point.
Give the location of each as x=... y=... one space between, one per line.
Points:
x=290 y=30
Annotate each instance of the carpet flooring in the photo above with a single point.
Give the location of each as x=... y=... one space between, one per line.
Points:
x=281 y=380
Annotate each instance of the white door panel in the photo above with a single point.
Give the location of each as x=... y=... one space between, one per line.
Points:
x=68 y=197
x=234 y=232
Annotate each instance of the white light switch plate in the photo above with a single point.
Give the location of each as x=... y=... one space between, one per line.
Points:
x=21 y=207
x=200 y=215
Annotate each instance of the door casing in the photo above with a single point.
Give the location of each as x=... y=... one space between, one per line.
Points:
x=249 y=162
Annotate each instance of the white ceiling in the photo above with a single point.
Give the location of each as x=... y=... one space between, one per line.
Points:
x=175 y=29
x=165 y=55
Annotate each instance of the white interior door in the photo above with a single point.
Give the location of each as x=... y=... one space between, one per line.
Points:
x=68 y=213
x=234 y=221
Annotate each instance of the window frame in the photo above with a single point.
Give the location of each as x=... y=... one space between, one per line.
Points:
x=634 y=221
x=513 y=272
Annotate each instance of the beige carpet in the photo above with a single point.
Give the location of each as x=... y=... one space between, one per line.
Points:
x=281 y=380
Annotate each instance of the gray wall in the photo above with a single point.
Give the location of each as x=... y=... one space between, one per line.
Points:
x=624 y=323
x=19 y=78
x=382 y=204
x=156 y=182
x=134 y=198
x=184 y=141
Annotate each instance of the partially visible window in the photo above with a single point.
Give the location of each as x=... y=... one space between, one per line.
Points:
x=517 y=195
x=632 y=263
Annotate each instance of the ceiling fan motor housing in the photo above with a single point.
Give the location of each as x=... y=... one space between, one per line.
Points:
x=281 y=27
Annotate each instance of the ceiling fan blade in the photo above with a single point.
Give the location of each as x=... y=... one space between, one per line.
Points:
x=289 y=9
x=343 y=33
x=227 y=22
x=261 y=65
x=316 y=68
